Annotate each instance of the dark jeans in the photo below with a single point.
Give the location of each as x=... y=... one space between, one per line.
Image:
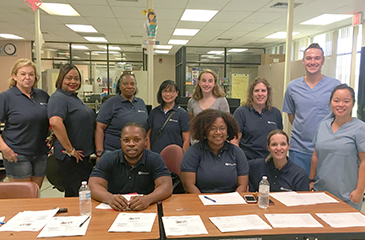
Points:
x=73 y=174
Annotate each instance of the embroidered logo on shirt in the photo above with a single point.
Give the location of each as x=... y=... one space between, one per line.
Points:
x=143 y=173
x=173 y=120
x=269 y=122
x=141 y=111
x=230 y=164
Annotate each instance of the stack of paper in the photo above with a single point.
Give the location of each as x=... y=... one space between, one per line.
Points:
x=239 y=223
x=296 y=220
x=222 y=199
x=29 y=220
x=337 y=220
x=133 y=222
x=184 y=225
x=65 y=226
x=296 y=199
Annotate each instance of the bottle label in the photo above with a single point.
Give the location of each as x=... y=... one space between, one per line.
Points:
x=84 y=195
x=264 y=189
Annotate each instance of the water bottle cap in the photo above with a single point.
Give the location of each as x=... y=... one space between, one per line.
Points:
x=84 y=182
x=264 y=177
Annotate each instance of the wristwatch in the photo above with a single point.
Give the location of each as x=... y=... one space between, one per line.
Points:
x=312 y=180
x=99 y=153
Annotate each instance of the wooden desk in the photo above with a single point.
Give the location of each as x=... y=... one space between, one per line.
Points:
x=190 y=204
x=101 y=219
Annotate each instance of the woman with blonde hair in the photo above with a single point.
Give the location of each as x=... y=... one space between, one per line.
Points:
x=257 y=118
x=282 y=174
x=207 y=94
x=24 y=111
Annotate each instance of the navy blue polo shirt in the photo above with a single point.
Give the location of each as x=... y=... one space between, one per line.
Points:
x=79 y=121
x=290 y=178
x=122 y=178
x=215 y=173
x=255 y=127
x=172 y=133
x=26 y=122
x=117 y=112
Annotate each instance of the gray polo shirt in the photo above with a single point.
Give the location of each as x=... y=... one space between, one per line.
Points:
x=26 y=122
x=78 y=119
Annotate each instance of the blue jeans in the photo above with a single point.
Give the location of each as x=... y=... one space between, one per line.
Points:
x=301 y=159
x=26 y=167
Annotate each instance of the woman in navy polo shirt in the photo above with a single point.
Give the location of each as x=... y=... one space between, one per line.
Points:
x=213 y=164
x=118 y=111
x=23 y=108
x=73 y=124
x=257 y=118
x=176 y=129
x=282 y=174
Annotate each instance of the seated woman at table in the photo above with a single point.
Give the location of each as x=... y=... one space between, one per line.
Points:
x=213 y=164
x=282 y=174
x=338 y=161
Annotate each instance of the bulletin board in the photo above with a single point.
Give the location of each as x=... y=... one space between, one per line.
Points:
x=239 y=86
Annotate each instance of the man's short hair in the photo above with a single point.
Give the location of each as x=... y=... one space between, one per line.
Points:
x=316 y=46
x=134 y=124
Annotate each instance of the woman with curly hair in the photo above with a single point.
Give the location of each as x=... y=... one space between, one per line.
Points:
x=214 y=156
x=257 y=118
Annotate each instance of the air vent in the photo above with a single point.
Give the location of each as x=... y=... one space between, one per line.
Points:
x=284 y=5
x=136 y=36
x=224 y=39
x=127 y=0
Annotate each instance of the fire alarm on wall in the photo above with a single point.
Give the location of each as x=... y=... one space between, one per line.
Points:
x=160 y=60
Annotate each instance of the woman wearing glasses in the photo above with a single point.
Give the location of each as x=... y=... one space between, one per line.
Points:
x=214 y=165
x=168 y=123
x=118 y=111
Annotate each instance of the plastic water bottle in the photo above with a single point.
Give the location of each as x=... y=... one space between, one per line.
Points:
x=85 y=199
x=264 y=190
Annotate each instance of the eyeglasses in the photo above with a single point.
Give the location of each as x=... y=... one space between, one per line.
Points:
x=168 y=91
x=215 y=129
x=128 y=83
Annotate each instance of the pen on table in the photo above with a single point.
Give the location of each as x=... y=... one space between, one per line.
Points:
x=84 y=221
x=285 y=189
x=206 y=197
x=2 y=222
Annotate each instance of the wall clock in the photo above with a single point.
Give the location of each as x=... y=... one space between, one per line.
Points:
x=9 y=49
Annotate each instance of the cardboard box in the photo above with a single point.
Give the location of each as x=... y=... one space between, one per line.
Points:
x=272 y=58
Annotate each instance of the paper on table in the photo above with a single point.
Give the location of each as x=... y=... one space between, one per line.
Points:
x=2 y=219
x=222 y=199
x=29 y=220
x=337 y=220
x=65 y=226
x=184 y=225
x=296 y=199
x=297 y=220
x=239 y=223
x=133 y=222
x=126 y=196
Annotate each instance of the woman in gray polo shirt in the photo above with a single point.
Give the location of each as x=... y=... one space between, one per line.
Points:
x=73 y=124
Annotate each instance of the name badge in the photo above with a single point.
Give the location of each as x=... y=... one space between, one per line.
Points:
x=143 y=173
x=230 y=164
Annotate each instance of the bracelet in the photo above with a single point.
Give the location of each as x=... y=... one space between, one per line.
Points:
x=312 y=180
x=69 y=153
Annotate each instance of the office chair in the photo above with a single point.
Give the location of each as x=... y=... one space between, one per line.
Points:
x=18 y=190
x=172 y=155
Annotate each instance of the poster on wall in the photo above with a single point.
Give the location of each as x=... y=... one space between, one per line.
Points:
x=239 y=86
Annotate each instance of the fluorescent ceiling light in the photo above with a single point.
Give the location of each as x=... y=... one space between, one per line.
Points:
x=81 y=28
x=178 y=42
x=10 y=36
x=326 y=19
x=198 y=15
x=104 y=52
x=77 y=57
x=79 y=47
x=215 y=52
x=110 y=47
x=237 y=50
x=96 y=39
x=280 y=35
x=161 y=51
x=185 y=32
x=164 y=46
x=59 y=9
x=92 y=53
